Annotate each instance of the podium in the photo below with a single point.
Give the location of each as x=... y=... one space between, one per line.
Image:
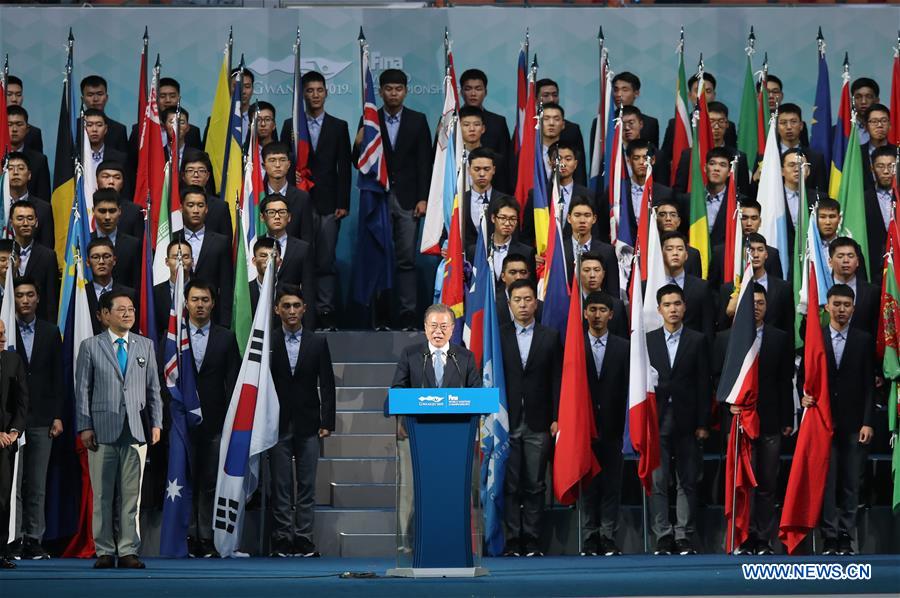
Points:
x=439 y=524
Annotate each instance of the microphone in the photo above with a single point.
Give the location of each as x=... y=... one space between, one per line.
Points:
x=452 y=355
x=425 y=356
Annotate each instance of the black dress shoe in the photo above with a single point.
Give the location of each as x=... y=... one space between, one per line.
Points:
x=327 y=322
x=684 y=547
x=665 y=545
x=130 y=561
x=512 y=548
x=106 y=561
x=845 y=545
x=6 y=563
x=607 y=547
x=830 y=547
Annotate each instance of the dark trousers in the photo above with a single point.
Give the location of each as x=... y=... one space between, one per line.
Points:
x=294 y=455
x=766 y=463
x=524 y=487
x=848 y=457
x=32 y=483
x=204 y=467
x=327 y=229
x=406 y=229
x=603 y=495
x=688 y=458
x=7 y=458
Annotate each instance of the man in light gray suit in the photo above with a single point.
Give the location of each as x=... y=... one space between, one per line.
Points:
x=117 y=389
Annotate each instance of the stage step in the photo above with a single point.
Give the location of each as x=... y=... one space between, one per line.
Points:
x=368 y=398
x=364 y=374
x=368 y=346
x=331 y=523
x=360 y=445
x=355 y=496
x=367 y=545
x=364 y=422
x=367 y=470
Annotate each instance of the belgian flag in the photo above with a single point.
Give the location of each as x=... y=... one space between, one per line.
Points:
x=64 y=165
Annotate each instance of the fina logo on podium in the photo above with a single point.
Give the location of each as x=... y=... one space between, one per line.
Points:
x=452 y=400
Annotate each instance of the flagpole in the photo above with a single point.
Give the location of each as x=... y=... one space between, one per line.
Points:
x=363 y=49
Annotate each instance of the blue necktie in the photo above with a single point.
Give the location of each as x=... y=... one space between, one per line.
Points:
x=122 y=355
x=439 y=367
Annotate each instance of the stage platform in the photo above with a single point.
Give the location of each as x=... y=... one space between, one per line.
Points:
x=633 y=575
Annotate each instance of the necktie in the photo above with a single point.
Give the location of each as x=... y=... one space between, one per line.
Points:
x=97 y=156
x=439 y=367
x=122 y=355
x=501 y=247
x=673 y=348
x=294 y=340
x=838 y=348
x=393 y=119
x=598 y=345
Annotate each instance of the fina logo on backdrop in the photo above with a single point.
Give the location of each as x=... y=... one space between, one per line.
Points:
x=274 y=77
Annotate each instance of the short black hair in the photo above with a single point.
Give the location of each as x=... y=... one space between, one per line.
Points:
x=598 y=298
x=773 y=79
x=593 y=256
x=193 y=190
x=790 y=108
x=865 y=82
x=632 y=110
x=546 y=82
x=111 y=165
x=260 y=105
x=246 y=73
x=392 y=77
x=265 y=242
x=6 y=245
x=106 y=195
x=793 y=150
x=473 y=74
x=515 y=257
x=312 y=77
x=667 y=201
x=639 y=144
x=554 y=106
x=100 y=242
x=719 y=152
x=27 y=279
x=758 y=288
x=755 y=238
x=272 y=197
x=523 y=283
x=96 y=112
x=467 y=111
x=22 y=204
x=21 y=157
x=285 y=290
x=718 y=108
x=503 y=201
x=628 y=77
x=562 y=144
x=878 y=108
x=178 y=241
x=673 y=234
x=194 y=155
x=483 y=153
x=706 y=77
x=668 y=289
x=164 y=115
x=106 y=299
x=170 y=82
x=843 y=242
x=13 y=80
x=840 y=290
x=582 y=200
x=275 y=148
x=13 y=110
x=751 y=203
x=880 y=152
x=196 y=283
x=829 y=203
x=93 y=81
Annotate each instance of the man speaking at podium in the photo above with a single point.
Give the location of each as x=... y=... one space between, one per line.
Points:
x=437 y=363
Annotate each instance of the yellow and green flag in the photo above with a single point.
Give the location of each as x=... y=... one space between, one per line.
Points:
x=699 y=230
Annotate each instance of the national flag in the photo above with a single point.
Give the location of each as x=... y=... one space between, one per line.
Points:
x=770 y=196
x=66 y=464
x=64 y=163
x=657 y=276
x=374 y=236
x=894 y=131
x=681 y=138
x=232 y=171
x=702 y=127
x=185 y=413
x=482 y=275
x=822 y=135
x=619 y=191
x=217 y=134
x=889 y=326
x=540 y=199
x=494 y=426
x=604 y=103
x=553 y=287
x=446 y=158
x=453 y=291
x=77 y=239
x=5 y=144
x=170 y=219
x=748 y=126
x=300 y=128
x=641 y=433
x=252 y=194
x=642 y=218
x=739 y=386
x=521 y=97
x=734 y=239
x=142 y=78
x=151 y=160
x=841 y=134
x=8 y=317
x=799 y=256
x=251 y=427
x=699 y=227
x=88 y=176
x=574 y=461
x=806 y=483
x=525 y=179
x=147 y=322
x=241 y=313
x=850 y=193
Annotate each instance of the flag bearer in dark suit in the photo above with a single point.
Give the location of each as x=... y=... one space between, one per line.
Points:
x=680 y=355
x=592 y=273
x=102 y=260
x=699 y=311
x=217 y=362
x=39 y=345
x=582 y=217
x=162 y=293
x=532 y=363
x=304 y=380
x=845 y=257
x=850 y=352
x=34 y=259
x=127 y=249
x=775 y=407
x=13 y=413
x=607 y=371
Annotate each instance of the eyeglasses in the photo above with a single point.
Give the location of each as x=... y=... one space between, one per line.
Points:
x=103 y=257
x=507 y=219
x=879 y=121
x=195 y=171
x=442 y=327
x=265 y=120
x=271 y=213
x=718 y=122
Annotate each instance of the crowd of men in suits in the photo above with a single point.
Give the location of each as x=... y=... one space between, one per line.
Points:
x=303 y=229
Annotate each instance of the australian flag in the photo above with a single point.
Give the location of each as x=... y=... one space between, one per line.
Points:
x=374 y=245
x=184 y=409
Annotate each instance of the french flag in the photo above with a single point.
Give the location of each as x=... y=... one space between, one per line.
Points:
x=251 y=427
x=641 y=434
x=739 y=386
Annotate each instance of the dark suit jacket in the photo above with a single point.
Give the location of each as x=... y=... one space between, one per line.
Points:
x=214 y=266
x=94 y=305
x=700 y=312
x=527 y=251
x=300 y=206
x=877 y=236
x=131 y=221
x=298 y=266
x=44 y=234
x=600 y=230
x=162 y=305
x=609 y=390
x=306 y=396
x=216 y=377
x=717 y=265
x=497 y=138
x=649 y=132
x=533 y=391
x=686 y=382
x=852 y=386
x=610 y=263
x=44 y=374
x=572 y=134
x=742 y=173
x=33 y=139
x=128 y=259
x=13 y=392
x=43 y=267
x=415 y=369
x=39 y=185
x=662 y=169
x=329 y=163
x=779 y=305
x=218 y=218
x=867 y=307
x=409 y=163
x=776 y=370
x=693 y=264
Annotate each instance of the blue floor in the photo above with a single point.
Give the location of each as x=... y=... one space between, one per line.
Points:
x=636 y=575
